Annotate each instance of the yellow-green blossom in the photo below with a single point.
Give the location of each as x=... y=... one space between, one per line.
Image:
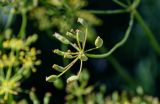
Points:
x=8 y=87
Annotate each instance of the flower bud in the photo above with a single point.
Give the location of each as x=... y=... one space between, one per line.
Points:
x=98 y=42
x=51 y=78
x=69 y=34
x=58 y=52
x=72 y=78
x=58 y=68
x=31 y=39
x=83 y=57
x=80 y=36
x=61 y=38
x=81 y=21
x=66 y=55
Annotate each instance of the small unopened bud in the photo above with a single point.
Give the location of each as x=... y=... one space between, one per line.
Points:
x=98 y=42
x=58 y=52
x=31 y=39
x=66 y=55
x=81 y=21
x=72 y=78
x=51 y=78
x=71 y=35
x=80 y=36
x=61 y=38
x=47 y=97
x=58 y=68
x=83 y=57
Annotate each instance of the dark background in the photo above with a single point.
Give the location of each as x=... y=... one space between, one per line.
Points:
x=137 y=56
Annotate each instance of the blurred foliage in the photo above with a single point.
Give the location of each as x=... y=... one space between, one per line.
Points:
x=125 y=98
x=61 y=14
x=17 y=61
x=135 y=64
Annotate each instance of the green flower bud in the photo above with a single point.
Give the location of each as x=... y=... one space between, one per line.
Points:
x=83 y=57
x=58 y=52
x=66 y=55
x=80 y=36
x=31 y=39
x=33 y=96
x=47 y=97
x=51 y=78
x=72 y=78
x=98 y=42
x=58 y=83
x=70 y=35
x=81 y=21
x=61 y=38
x=58 y=68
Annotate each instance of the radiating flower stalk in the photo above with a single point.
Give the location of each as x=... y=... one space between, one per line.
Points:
x=81 y=53
x=17 y=61
x=80 y=38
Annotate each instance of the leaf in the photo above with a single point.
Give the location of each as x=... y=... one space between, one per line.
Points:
x=72 y=78
x=98 y=42
x=51 y=78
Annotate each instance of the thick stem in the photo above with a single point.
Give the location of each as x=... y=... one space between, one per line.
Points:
x=148 y=32
x=22 y=31
x=119 y=44
x=122 y=72
x=10 y=17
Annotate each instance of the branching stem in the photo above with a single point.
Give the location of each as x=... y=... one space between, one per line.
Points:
x=127 y=33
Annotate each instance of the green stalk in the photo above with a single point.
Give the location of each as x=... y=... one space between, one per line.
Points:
x=22 y=31
x=120 y=3
x=119 y=11
x=2 y=73
x=9 y=71
x=10 y=17
x=64 y=48
x=68 y=67
x=119 y=44
x=122 y=72
x=148 y=32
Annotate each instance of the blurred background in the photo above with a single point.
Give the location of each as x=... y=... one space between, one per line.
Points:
x=135 y=64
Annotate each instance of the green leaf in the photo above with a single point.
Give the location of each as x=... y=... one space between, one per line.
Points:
x=72 y=78
x=61 y=38
x=51 y=78
x=98 y=42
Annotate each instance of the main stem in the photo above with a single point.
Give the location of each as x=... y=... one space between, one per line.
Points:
x=127 y=33
x=22 y=31
x=148 y=32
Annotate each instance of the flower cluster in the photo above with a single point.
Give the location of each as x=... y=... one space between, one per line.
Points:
x=17 y=61
x=79 y=54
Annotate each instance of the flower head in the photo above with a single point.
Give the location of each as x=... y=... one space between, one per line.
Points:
x=79 y=54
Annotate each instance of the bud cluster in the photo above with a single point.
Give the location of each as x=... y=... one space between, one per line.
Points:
x=80 y=38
